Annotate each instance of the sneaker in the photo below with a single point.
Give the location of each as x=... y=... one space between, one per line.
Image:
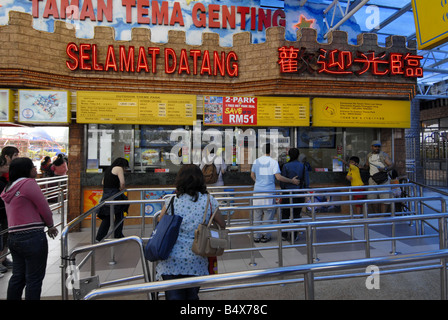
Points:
x=257 y=240
x=264 y=239
x=3 y=269
x=7 y=263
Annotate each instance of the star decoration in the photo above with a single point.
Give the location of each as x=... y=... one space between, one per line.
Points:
x=304 y=22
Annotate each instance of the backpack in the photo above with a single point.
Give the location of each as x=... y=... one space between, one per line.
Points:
x=210 y=173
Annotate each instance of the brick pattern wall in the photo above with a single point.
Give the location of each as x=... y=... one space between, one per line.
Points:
x=75 y=164
x=31 y=58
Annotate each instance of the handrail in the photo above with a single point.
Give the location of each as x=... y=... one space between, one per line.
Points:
x=57 y=191
x=307 y=270
x=311 y=225
x=76 y=221
x=137 y=240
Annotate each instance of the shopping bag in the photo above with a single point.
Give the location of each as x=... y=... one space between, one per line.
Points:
x=210 y=239
x=164 y=236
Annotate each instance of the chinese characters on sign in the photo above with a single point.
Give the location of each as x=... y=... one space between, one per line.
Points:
x=340 y=62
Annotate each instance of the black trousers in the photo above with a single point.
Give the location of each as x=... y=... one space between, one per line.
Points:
x=286 y=212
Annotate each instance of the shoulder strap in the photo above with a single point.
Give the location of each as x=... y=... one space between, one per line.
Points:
x=171 y=205
x=206 y=207
x=205 y=212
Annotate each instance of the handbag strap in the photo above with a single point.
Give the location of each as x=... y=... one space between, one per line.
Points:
x=213 y=213
x=206 y=207
x=171 y=204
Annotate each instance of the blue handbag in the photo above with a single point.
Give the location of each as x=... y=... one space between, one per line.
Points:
x=164 y=236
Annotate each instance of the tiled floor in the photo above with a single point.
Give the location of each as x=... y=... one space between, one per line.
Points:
x=128 y=262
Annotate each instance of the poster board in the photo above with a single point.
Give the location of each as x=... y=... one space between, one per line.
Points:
x=44 y=106
x=135 y=108
x=358 y=113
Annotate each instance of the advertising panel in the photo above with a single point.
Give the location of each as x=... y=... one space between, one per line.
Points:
x=256 y=111
x=328 y=112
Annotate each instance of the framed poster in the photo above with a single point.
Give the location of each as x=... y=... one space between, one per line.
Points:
x=38 y=106
x=6 y=105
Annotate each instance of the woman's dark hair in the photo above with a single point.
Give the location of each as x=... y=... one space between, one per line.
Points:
x=293 y=154
x=20 y=168
x=120 y=162
x=190 y=180
x=59 y=160
x=9 y=151
x=46 y=159
x=3 y=161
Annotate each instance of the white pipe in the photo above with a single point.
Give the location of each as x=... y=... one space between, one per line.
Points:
x=346 y=17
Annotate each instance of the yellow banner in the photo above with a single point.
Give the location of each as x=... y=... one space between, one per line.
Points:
x=431 y=22
x=135 y=108
x=283 y=112
x=328 y=112
x=6 y=105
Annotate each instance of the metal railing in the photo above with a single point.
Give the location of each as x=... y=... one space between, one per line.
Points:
x=55 y=190
x=307 y=270
x=92 y=212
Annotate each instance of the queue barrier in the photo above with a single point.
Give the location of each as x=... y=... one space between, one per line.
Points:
x=307 y=270
x=64 y=234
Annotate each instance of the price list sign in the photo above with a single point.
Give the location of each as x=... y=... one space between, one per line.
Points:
x=135 y=108
x=283 y=112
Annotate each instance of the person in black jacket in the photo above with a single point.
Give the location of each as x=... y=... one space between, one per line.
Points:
x=113 y=183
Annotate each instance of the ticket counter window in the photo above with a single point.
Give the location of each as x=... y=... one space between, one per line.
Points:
x=358 y=142
x=321 y=145
x=157 y=148
x=105 y=143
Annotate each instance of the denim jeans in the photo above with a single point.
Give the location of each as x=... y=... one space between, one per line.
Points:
x=180 y=294
x=29 y=252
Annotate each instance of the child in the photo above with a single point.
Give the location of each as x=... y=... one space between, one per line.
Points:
x=354 y=176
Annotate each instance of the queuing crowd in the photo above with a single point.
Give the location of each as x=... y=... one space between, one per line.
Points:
x=25 y=213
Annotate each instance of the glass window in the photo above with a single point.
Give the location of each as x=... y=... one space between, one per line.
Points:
x=105 y=143
x=319 y=146
x=358 y=142
x=161 y=147
x=149 y=148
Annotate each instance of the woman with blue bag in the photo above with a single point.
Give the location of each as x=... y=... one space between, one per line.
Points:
x=189 y=203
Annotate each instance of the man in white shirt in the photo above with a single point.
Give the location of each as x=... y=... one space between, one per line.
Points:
x=379 y=163
x=264 y=172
